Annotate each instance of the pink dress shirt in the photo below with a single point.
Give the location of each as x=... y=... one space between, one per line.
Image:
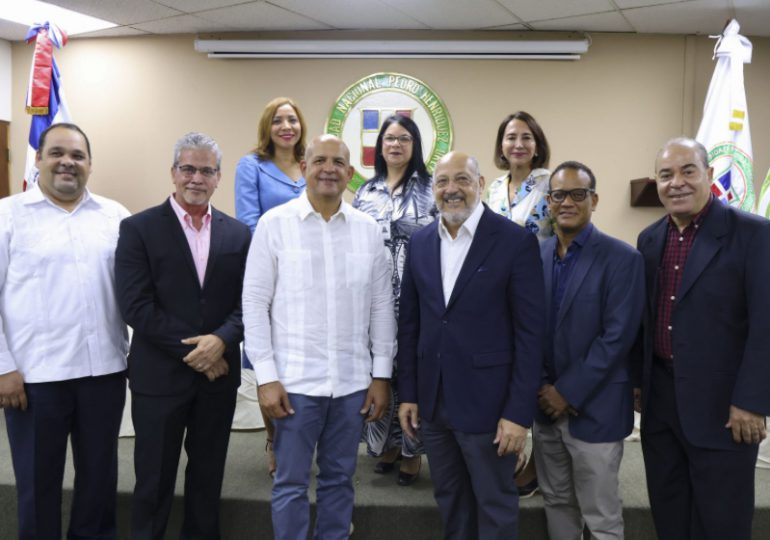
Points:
x=198 y=240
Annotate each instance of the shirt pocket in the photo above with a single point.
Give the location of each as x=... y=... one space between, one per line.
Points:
x=295 y=271
x=358 y=270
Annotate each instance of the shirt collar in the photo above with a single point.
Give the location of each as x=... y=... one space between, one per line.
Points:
x=583 y=235
x=306 y=209
x=184 y=215
x=469 y=225
x=697 y=221
x=35 y=195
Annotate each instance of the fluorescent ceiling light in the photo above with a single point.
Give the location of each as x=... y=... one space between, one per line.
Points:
x=357 y=48
x=29 y=12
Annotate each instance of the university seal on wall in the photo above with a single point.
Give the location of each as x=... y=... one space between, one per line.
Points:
x=358 y=113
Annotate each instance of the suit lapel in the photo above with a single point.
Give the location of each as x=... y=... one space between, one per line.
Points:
x=215 y=243
x=652 y=250
x=546 y=254
x=178 y=238
x=707 y=243
x=482 y=244
x=579 y=273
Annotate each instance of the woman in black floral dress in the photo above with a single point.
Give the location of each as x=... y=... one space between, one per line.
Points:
x=400 y=198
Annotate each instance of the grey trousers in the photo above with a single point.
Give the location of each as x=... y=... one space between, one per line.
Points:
x=579 y=482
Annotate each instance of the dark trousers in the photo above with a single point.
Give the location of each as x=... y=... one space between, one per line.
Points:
x=160 y=423
x=473 y=486
x=695 y=493
x=88 y=412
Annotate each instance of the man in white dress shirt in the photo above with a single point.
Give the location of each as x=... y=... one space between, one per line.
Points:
x=62 y=341
x=318 y=316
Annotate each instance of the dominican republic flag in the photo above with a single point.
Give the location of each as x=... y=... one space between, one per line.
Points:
x=45 y=101
x=724 y=130
x=371 y=120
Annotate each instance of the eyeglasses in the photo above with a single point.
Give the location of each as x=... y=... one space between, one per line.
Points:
x=577 y=195
x=189 y=171
x=403 y=139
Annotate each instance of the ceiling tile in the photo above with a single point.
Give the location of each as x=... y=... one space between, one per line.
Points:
x=118 y=31
x=352 y=14
x=695 y=17
x=624 y=4
x=124 y=12
x=600 y=22
x=183 y=24
x=527 y=10
x=191 y=6
x=463 y=14
x=753 y=16
x=260 y=16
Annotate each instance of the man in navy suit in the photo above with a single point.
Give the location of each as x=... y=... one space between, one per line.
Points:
x=179 y=272
x=470 y=352
x=594 y=299
x=706 y=362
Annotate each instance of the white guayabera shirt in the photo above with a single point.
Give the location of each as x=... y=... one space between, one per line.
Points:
x=59 y=319
x=318 y=301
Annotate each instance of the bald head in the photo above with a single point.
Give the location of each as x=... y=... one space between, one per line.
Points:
x=683 y=178
x=685 y=142
x=459 y=158
x=327 y=138
x=457 y=187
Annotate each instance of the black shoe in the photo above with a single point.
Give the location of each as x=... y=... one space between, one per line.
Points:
x=528 y=490
x=383 y=467
x=407 y=479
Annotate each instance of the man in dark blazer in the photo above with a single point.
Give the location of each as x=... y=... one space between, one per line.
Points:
x=470 y=352
x=179 y=272
x=594 y=299
x=705 y=367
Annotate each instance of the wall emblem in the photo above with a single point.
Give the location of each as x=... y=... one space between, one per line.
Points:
x=359 y=111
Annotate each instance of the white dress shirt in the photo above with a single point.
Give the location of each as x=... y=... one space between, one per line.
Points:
x=59 y=319
x=318 y=301
x=454 y=250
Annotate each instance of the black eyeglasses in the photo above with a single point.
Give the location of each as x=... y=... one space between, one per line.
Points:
x=403 y=139
x=577 y=195
x=189 y=171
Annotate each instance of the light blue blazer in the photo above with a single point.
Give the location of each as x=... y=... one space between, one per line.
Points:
x=259 y=186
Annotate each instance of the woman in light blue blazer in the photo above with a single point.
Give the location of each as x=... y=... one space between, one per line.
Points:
x=269 y=176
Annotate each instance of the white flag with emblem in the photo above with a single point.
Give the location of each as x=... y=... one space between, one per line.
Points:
x=724 y=130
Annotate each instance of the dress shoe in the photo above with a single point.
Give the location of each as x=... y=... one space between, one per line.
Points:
x=407 y=479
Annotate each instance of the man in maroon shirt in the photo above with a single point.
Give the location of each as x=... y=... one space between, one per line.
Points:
x=705 y=368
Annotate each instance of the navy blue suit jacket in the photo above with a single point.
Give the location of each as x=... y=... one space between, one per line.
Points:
x=160 y=297
x=720 y=320
x=482 y=350
x=597 y=323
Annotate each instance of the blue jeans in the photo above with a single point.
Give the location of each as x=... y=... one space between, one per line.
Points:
x=333 y=426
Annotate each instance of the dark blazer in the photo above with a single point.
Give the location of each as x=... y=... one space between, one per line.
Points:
x=720 y=320
x=161 y=298
x=485 y=346
x=595 y=328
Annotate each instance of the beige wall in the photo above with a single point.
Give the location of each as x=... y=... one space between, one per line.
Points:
x=611 y=110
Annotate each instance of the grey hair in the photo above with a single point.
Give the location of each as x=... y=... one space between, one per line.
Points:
x=703 y=154
x=196 y=141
